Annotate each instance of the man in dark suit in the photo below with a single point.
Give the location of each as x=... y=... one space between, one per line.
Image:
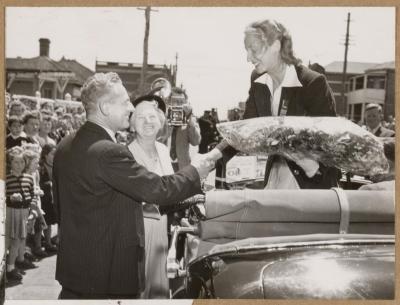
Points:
x=373 y=119
x=98 y=192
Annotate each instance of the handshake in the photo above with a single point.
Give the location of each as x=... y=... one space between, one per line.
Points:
x=204 y=163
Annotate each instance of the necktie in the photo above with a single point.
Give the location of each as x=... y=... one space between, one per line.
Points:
x=173 y=144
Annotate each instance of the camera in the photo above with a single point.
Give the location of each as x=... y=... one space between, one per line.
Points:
x=174 y=98
x=175 y=114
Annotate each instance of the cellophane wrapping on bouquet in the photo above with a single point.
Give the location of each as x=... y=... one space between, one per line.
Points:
x=332 y=141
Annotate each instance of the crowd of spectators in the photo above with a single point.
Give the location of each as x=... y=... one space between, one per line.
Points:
x=33 y=131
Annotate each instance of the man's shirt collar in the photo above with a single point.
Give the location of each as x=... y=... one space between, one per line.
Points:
x=108 y=130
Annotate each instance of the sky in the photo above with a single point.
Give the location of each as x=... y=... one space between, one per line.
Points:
x=212 y=64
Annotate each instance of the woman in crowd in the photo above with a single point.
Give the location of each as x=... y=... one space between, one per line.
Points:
x=44 y=131
x=281 y=85
x=147 y=121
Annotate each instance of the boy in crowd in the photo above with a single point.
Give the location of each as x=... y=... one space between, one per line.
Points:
x=16 y=137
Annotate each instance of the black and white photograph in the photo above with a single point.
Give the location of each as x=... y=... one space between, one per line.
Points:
x=181 y=153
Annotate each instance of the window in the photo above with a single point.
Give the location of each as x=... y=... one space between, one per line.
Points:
x=47 y=93
x=376 y=81
x=351 y=83
x=359 y=83
x=357 y=112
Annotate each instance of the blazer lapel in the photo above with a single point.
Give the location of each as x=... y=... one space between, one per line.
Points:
x=263 y=99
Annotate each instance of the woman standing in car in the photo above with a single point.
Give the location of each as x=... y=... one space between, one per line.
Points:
x=281 y=85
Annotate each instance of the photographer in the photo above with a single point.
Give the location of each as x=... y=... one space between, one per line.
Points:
x=182 y=136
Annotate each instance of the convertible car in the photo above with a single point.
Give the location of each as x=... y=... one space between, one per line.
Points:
x=303 y=244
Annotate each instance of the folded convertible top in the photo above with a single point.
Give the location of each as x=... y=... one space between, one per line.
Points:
x=261 y=213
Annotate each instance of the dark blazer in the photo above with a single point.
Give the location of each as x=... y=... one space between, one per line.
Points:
x=314 y=98
x=98 y=191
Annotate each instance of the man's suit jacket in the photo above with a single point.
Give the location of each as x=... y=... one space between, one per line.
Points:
x=98 y=192
x=314 y=98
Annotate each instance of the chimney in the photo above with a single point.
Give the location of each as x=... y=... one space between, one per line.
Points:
x=44 y=47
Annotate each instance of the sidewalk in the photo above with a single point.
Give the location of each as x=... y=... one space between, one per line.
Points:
x=38 y=283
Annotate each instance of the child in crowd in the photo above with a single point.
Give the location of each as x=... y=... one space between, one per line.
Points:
x=46 y=172
x=31 y=122
x=16 y=108
x=32 y=156
x=19 y=194
x=16 y=137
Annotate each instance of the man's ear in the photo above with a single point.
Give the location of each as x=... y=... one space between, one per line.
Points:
x=104 y=107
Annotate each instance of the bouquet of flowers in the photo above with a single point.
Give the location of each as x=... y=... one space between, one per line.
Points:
x=332 y=141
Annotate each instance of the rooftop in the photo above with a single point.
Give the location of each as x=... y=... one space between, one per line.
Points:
x=35 y=64
x=390 y=65
x=81 y=72
x=352 y=67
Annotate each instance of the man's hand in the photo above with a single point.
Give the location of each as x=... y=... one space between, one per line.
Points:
x=214 y=154
x=203 y=165
x=309 y=166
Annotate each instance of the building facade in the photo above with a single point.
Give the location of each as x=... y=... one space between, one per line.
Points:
x=375 y=85
x=52 y=79
x=130 y=74
x=334 y=75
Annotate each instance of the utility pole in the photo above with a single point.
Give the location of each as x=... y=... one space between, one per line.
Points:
x=346 y=46
x=176 y=68
x=143 y=73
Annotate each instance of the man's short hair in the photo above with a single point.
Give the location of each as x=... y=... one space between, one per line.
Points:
x=178 y=90
x=96 y=86
x=373 y=106
x=31 y=115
